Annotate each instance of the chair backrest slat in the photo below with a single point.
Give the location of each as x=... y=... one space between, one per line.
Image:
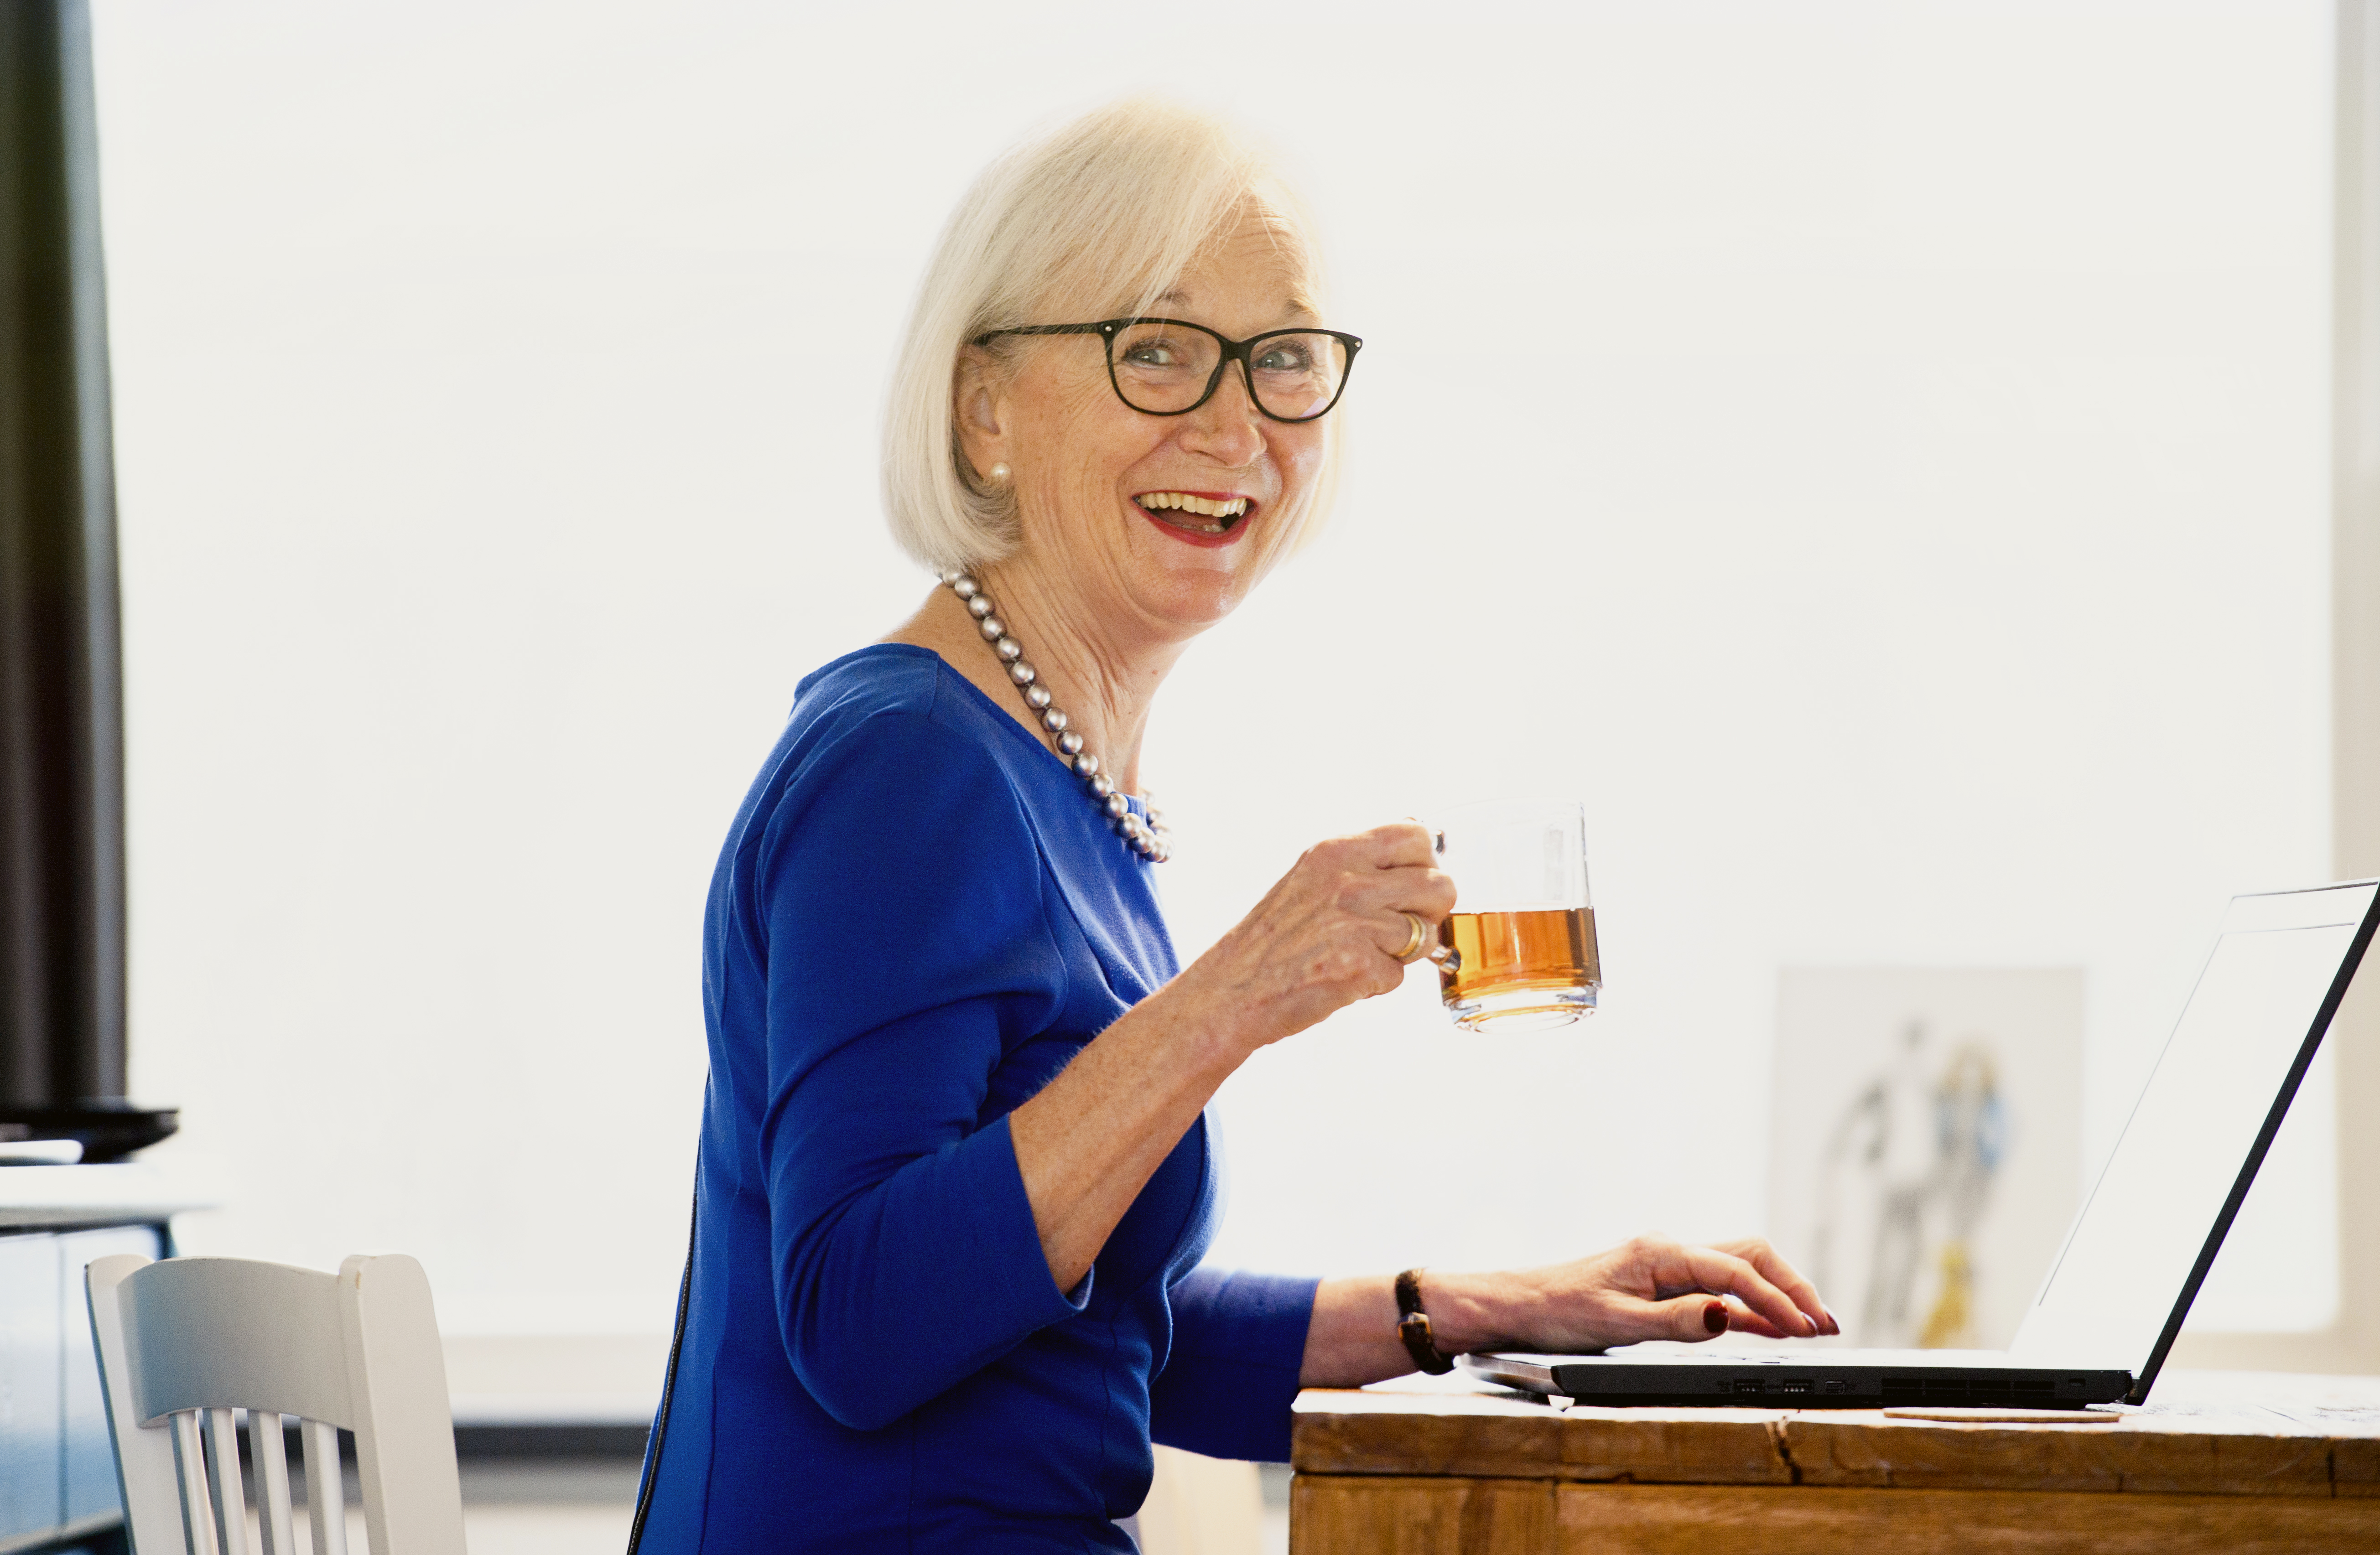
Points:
x=223 y=1481
x=190 y=1474
x=326 y=1488
x=268 y=1460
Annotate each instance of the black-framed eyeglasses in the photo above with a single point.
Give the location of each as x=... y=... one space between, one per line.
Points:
x=1171 y=366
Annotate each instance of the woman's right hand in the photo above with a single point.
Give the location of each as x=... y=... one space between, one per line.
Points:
x=1327 y=935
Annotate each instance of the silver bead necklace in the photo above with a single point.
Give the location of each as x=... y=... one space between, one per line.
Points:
x=1148 y=838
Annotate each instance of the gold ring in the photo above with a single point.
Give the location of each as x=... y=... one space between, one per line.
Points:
x=1413 y=946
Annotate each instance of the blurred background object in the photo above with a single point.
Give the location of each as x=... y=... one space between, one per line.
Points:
x=1925 y=1144
x=62 y=914
x=1204 y=1506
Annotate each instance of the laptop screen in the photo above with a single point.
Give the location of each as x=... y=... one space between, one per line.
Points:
x=2182 y=1164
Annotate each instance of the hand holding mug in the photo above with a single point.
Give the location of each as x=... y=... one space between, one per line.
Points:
x=1342 y=924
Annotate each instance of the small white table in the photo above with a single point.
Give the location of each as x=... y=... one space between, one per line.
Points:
x=58 y=1472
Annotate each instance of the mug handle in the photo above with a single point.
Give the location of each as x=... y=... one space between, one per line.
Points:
x=1446 y=958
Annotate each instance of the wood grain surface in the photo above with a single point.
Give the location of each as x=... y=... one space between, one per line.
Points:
x=1388 y=1515
x=2355 y=1467
x=2218 y=1458
x=1381 y=1514
x=1476 y=1432
x=1723 y=1520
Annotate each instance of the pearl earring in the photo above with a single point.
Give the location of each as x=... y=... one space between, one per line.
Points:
x=998 y=472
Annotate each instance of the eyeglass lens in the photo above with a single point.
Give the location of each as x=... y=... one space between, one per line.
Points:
x=1164 y=369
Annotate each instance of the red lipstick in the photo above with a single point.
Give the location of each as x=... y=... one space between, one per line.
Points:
x=1230 y=536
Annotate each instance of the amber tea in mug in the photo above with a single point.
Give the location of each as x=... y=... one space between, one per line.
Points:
x=1524 y=926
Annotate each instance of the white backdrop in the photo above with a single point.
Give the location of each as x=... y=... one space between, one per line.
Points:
x=1873 y=452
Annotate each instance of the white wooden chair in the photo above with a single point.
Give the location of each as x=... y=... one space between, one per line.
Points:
x=185 y=1341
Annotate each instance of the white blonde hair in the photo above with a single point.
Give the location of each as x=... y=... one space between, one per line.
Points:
x=1096 y=219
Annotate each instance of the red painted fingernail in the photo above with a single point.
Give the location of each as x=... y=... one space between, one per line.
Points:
x=1715 y=1317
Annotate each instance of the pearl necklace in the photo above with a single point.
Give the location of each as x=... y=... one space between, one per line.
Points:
x=1148 y=838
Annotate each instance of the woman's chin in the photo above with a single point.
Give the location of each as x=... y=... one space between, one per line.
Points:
x=1193 y=585
x=1193 y=597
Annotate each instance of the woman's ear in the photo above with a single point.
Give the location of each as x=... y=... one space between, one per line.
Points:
x=977 y=410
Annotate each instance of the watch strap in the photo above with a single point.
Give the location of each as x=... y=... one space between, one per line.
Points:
x=1413 y=1325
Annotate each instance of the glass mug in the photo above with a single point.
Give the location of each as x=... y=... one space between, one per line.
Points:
x=1522 y=931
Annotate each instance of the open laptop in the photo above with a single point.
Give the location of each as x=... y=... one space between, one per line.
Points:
x=2116 y=1295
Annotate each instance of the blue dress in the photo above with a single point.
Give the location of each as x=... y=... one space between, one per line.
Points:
x=917 y=920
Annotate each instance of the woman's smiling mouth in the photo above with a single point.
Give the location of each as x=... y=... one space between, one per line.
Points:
x=1201 y=518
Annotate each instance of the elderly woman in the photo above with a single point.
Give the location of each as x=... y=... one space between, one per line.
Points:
x=955 y=1174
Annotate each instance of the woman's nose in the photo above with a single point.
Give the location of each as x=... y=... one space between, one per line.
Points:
x=1227 y=427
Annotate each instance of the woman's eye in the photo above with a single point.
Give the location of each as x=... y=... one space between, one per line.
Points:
x=1153 y=353
x=1283 y=358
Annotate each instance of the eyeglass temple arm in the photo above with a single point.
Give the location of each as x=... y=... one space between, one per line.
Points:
x=992 y=334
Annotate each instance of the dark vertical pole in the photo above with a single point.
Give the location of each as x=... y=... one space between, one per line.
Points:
x=62 y=983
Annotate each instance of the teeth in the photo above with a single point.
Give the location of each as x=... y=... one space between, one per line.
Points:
x=1208 y=508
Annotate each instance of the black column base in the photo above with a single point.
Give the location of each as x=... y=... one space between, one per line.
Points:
x=106 y=1130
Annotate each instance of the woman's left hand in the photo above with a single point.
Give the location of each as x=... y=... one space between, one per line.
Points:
x=1650 y=1288
x=1654 y=1288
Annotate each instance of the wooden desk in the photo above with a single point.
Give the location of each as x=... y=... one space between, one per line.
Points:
x=2235 y=1461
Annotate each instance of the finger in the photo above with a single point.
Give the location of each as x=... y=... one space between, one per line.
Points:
x=1690 y=1320
x=1406 y=950
x=1394 y=931
x=1400 y=845
x=1427 y=891
x=1785 y=1277
x=1725 y=1274
x=1743 y=1320
x=1394 y=849
x=1428 y=895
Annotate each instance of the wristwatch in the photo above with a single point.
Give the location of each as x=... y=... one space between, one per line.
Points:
x=1413 y=1325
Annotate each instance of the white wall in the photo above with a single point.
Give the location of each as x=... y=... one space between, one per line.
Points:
x=1875 y=454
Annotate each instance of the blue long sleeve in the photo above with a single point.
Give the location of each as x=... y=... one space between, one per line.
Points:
x=905 y=1250
x=1238 y=1342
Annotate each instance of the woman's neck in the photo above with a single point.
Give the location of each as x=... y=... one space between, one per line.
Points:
x=1105 y=684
